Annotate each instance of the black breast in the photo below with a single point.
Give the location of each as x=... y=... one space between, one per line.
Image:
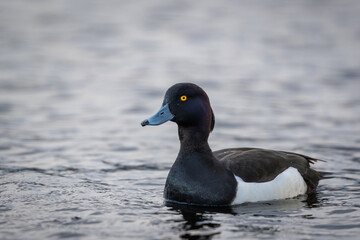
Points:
x=199 y=179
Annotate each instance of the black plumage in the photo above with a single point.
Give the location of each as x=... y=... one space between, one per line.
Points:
x=200 y=176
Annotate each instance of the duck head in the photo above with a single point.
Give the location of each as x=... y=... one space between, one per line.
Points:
x=186 y=104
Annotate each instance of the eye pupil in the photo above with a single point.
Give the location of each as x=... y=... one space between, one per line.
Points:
x=183 y=98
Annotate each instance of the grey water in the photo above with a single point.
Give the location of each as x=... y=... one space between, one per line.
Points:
x=78 y=77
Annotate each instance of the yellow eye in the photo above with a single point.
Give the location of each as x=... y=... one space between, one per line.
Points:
x=183 y=98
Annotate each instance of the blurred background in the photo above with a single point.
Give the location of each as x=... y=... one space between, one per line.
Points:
x=78 y=77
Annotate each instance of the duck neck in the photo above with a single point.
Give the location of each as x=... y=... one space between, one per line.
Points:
x=193 y=139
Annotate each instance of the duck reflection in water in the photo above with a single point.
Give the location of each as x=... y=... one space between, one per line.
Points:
x=199 y=223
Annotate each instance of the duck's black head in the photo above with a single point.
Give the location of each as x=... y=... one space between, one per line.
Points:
x=186 y=104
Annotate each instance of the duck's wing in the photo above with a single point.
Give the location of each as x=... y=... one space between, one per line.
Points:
x=261 y=165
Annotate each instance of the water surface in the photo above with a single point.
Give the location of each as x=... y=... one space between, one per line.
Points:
x=78 y=77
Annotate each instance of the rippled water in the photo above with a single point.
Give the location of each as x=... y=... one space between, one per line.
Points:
x=78 y=77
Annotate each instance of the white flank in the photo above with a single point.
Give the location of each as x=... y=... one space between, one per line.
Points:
x=288 y=184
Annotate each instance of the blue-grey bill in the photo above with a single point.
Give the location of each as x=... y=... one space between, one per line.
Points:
x=163 y=115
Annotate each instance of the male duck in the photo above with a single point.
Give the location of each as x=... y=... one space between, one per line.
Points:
x=229 y=176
